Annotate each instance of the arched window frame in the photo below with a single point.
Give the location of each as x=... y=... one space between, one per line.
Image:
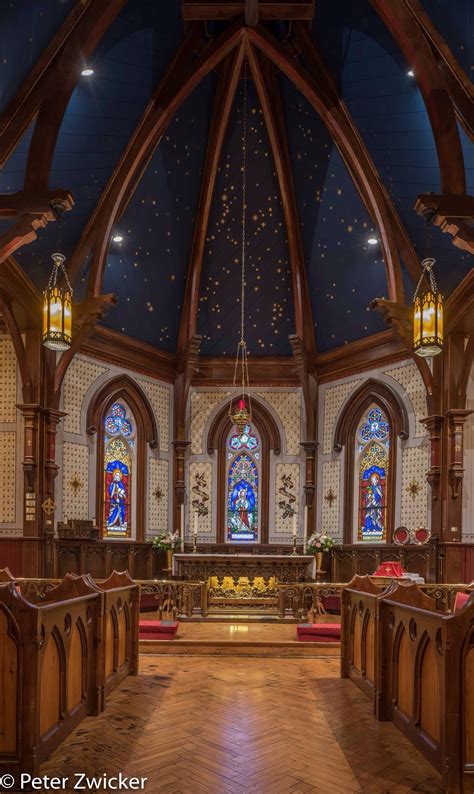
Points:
x=270 y=440
x=130 y=445
x=380 y=394
x=359 y=457
x=124 y=389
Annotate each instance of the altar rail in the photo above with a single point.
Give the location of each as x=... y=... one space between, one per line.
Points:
x=183 y=600
x=58 y=661
x=416 y=664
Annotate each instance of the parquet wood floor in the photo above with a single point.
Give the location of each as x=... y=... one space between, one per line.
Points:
x=232 y=726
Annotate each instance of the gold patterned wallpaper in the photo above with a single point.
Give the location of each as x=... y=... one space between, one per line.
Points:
x=75 y=481
x=158 y=485
x=287 y=498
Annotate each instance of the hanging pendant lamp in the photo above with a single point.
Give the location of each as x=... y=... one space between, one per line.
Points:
x=427 y=311
x=57 y=301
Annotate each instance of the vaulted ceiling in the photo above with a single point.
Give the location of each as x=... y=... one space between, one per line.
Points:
x=174 y=191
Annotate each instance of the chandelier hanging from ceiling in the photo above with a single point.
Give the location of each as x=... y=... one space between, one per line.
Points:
x=57 y=300
x=427 y=311
x=240 y=408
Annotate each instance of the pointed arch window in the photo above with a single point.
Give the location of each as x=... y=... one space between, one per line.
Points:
x=119 y=443
x=372 y=474
x=243 y=487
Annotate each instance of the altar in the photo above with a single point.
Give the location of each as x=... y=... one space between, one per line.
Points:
x=268 y=568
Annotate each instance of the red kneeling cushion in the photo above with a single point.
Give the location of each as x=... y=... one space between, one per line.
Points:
x=461 y=601
x=158 y=629
x=318 y=632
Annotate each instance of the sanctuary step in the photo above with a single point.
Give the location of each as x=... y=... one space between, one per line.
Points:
x=239 y=638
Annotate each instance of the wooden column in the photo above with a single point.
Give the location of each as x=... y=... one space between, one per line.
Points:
x=310 y=448
x=456 y=419
x=180 y=448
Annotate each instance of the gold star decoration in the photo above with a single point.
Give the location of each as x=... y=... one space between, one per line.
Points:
x=413 y=489
x=157 y=493
x=76 y=484
x=48 y=506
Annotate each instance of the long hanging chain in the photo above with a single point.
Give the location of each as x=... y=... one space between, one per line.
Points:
x=244 y=206
x=427 y=265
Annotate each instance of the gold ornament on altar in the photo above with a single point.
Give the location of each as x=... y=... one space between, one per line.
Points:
x=427 y=315
x=240 y=411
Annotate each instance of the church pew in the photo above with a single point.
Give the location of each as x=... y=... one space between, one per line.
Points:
x=121 y=613
x=360 y=632
x=47 y=672
x=118 y=636
x=428 y=661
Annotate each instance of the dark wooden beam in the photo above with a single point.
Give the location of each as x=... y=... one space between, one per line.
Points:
x=225 y=92
x=411 y=39
x=460 y=87
x=196 y=10
x=25 y=299
x=58 y=85
x=263 y=371
x=364 y=174
x=373 y=351
x=268 y=90
x=453 y=214
x=123 y=351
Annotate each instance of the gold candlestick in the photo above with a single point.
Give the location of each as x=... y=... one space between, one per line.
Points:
x=294 y=552
x=194 y=544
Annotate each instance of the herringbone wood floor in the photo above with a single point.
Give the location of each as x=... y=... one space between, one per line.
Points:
x=225 y=725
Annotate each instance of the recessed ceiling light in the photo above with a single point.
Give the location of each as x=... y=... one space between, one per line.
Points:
x=411 y=73
x=372 y=241
x=87 y=72
x=117 y=238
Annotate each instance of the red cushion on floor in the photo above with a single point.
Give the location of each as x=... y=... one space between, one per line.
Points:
x=158 y=626
x=461 y=601
x=319 y=631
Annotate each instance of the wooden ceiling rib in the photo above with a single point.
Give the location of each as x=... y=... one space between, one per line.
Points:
x=195 y=10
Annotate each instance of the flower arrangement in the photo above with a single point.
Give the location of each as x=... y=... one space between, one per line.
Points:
x=167 y=541
x=319 y=541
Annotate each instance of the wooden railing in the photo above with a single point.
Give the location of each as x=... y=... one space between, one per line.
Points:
x=416 y=663
x=176 y=599
x=58 y=660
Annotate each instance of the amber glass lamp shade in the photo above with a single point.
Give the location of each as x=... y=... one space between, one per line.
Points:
x=428 y=319
x=57 y=310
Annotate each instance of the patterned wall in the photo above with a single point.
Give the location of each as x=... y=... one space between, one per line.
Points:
x=334 y=399
x=287 y=405
x=79 y=377
x=9 y=514
x=409 y=377
x=468 y=483
x=200 y=497
x=8 y=383
x=287 y=498
x=158 y=480
x=75 y=469
x=159 y=397
x=7 y=477
x=202 y=405
x=329 y=497
x=414 y=508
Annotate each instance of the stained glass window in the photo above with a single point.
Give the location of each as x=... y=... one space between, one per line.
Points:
x=373 y=471
x=118 y=459
x=243 y=482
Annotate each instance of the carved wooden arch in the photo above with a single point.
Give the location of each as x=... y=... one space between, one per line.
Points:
x=270 y=440
x=123 y=387
x=372 y=391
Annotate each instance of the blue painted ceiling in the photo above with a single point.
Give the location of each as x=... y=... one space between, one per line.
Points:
x=147 y=271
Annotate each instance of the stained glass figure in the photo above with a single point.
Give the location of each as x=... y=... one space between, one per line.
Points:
x=117 y=473
x=372 y=494
x=242 y=499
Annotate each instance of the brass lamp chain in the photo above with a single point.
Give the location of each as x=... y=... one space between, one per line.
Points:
x=427 y=266
x=241 y=356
